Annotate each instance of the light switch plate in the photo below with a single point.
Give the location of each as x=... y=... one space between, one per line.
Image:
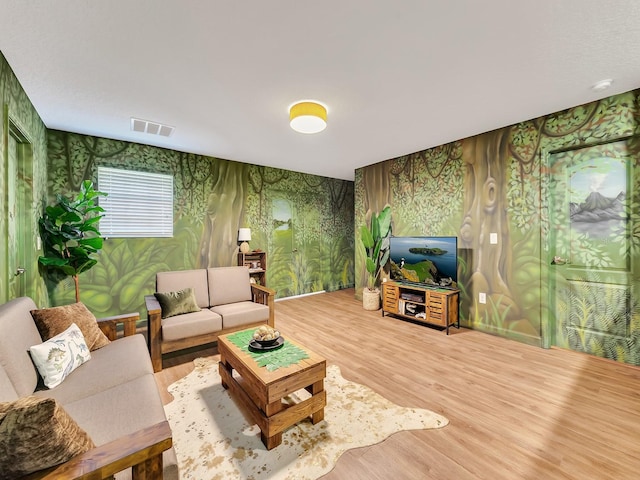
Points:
x=493 y=238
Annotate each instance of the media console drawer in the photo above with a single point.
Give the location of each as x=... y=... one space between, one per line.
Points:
x=434 y=306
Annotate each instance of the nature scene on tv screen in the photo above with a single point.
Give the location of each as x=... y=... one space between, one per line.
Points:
x=431 y=260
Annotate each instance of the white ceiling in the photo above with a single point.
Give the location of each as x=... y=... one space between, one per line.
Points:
x=397 y=76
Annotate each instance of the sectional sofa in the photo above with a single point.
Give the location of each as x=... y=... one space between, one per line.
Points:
x=110 y=400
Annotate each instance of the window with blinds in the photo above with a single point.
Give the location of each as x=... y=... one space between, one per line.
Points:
x=138 y=204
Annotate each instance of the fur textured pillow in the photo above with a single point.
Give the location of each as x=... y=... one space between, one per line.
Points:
x=55 y=320
x=37 y=433
x=177 y=303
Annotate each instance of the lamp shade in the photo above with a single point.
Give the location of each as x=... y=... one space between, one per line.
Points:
x=308 y=117
x=244 y=234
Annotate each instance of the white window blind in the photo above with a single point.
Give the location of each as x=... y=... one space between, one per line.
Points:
x=138 y=204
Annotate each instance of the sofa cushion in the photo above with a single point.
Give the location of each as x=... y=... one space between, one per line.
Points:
x=17 y=334
x=127 y=408
x=60 y=355
x=55 y=320
x=119 y=362
x=191 y=324
x=181 y=279
x=7 y=392
x=242 y=313
x=177 y=303
x=228 y=285
x=37 y=433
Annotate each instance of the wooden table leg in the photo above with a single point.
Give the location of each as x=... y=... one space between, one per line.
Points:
x=223 y=365
x=272 y=441
x=316 y=388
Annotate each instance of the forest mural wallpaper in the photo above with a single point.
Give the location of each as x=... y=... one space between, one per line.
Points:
x=23 y=176
x=303 y=222
x=503 y=182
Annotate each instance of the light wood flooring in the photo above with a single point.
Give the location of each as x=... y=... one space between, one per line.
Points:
x=515 y=411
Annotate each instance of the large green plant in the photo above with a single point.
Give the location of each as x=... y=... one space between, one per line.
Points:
x=69 y=234
x=375 y=238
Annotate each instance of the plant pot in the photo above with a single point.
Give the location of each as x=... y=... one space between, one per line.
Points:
x=371 y=299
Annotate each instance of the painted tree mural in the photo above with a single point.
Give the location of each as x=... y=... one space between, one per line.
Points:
x=486 y=215
x=223 y=216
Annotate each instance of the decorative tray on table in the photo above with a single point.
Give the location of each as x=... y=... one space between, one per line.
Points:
x=266 y=338
x=258 y=347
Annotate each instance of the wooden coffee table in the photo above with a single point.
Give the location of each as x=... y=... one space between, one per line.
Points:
x=260 y=392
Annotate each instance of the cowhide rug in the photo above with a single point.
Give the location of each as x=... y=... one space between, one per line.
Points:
x=213 y=440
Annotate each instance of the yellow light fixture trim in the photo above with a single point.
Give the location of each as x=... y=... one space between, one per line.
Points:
x=308 y=117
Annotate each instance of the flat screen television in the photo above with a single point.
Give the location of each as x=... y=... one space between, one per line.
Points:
x=428 y=260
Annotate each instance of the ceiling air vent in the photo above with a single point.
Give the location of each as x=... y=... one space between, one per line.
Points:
x=152 y=128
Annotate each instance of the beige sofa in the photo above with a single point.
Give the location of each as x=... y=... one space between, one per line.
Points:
x=113 y=397
x=228 y=301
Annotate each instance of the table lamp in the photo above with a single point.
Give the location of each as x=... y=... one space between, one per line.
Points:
x=244 y=236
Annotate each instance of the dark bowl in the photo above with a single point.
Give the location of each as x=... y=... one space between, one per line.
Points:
x=267 y=343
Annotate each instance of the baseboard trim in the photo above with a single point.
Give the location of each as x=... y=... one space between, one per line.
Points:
x=299 y=296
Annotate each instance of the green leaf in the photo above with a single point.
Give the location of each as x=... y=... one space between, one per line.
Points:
x=83 y=267
x=94 y=242
x=385 y=243
x=384 y=221
x=375 y=226
x=371 y=266
x=366 y=237
x=68 y=270
x=376 y=251
x=384 y=259
x=54 y=211
x=53 y=261
x=70 y=217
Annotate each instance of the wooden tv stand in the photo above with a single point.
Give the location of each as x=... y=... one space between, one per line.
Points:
x=421 y=303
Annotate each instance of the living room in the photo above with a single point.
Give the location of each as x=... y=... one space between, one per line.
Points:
x=502 y=182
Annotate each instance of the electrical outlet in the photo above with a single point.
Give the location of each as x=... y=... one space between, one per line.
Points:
x=482 y=297
x=493 y=238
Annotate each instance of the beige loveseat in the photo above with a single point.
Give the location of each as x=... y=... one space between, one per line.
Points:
x=227 y=300
x=113 y=397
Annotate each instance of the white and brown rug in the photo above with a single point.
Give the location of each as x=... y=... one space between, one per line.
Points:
x=213 y=440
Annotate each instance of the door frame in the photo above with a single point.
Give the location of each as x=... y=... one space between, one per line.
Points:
x=24 y=203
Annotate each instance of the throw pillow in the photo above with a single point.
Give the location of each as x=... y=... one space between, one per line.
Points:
x=37 y=433
x=56 y=358
x=52 y=321
x=177 y=303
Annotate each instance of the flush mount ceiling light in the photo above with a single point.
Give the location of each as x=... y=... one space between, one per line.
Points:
x=602 y=85
x=308 y=117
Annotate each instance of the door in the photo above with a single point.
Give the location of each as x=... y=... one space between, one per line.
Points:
x=280 y=274
x=19 y=202
x=294 y=261
x=592 y=256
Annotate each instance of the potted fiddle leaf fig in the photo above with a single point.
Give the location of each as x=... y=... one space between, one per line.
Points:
x=375 y=239
x=70 y=238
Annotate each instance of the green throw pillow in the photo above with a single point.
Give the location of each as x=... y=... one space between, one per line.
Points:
x=177 y=303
